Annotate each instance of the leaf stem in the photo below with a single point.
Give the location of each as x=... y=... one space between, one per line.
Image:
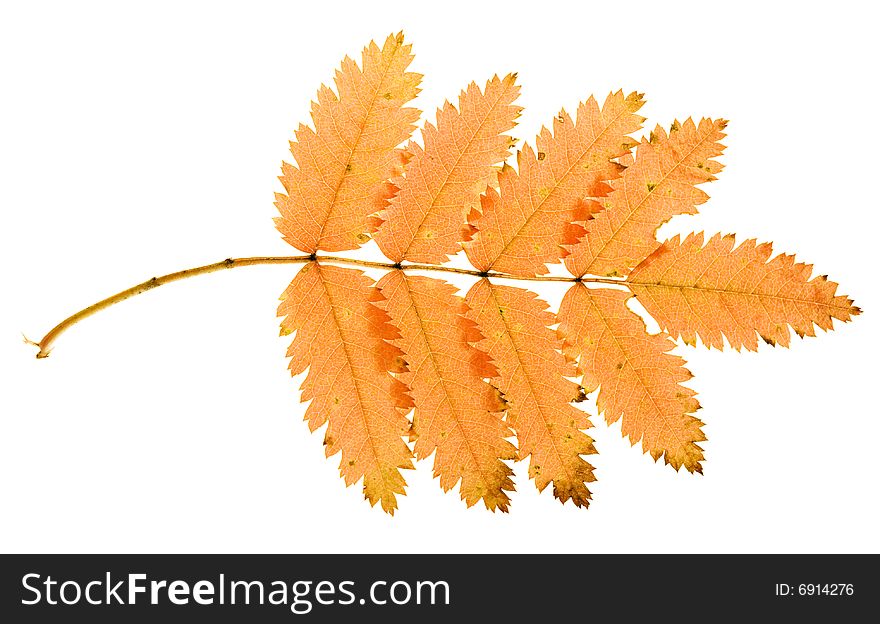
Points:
x=45 y=345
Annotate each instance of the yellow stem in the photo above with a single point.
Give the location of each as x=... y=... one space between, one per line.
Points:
x=45 y=345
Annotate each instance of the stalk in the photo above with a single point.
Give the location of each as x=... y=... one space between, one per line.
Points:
x=45 y=345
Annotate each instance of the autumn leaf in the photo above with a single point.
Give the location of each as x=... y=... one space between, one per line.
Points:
x=532 y=375
x=444 y=179
x=658 y=184
x=639 y=380
x=457 y=413
x=487 y=378
x=344 y=340
x=541 y=202
x=716 y=292
x=343 y=164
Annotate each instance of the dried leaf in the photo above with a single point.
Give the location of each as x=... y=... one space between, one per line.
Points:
x=657 y=185
x=540 y=205
x=457 y=412
x=344 y=340
x=532 y=375
x=480 y=370
x=343 y=163
x=423 y=222
x=720 y=292
x=639 y=380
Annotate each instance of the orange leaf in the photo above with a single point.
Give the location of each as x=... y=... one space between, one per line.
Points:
x=540 y=204
x=640 y=381
x=342 y=164
x=457 y=413
x=717 y=291
x=657 y=185
x=343 y=338
x=532 y=375
x=444 y=180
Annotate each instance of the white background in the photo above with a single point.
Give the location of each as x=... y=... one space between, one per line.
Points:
x=139 y=140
